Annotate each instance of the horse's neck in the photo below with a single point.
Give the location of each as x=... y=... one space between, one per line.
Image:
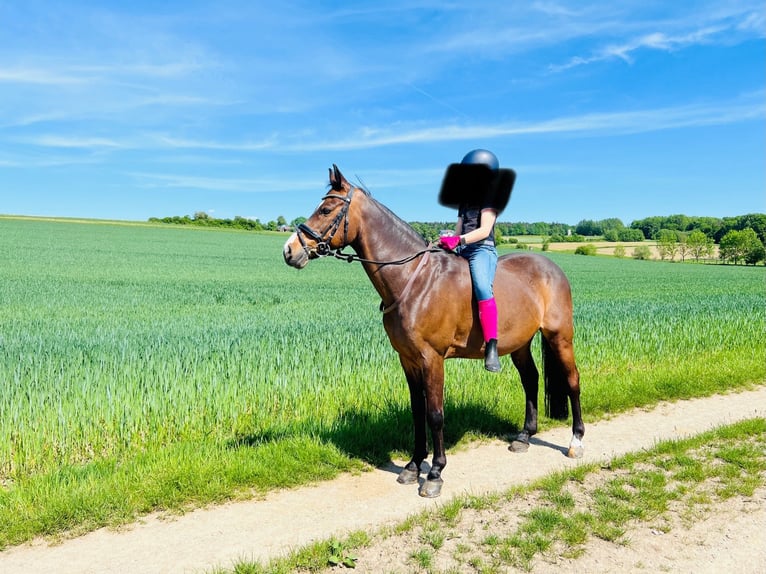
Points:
x=385 y=237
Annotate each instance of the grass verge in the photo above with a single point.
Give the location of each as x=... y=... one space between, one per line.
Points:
x=77 y=499
x=563 y=511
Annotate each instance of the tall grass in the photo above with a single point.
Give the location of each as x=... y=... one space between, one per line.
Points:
x=128 y=352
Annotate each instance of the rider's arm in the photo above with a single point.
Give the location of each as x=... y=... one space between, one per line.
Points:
x=488 y=218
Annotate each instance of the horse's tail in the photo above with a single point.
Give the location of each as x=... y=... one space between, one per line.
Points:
x=556 y=385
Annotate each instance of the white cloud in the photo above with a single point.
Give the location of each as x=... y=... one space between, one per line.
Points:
x=40 y=76
x=620 y=122
x=240 y=185
x=720 y=28
x=74 y=142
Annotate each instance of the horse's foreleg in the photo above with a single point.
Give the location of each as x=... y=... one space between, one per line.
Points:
x=433 y=384
x=411 y=471
x=525 y=364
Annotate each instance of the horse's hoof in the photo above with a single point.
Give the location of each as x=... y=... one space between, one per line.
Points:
x=519 y=446
x=408 y=476
x=575 y=452
x=431 y=488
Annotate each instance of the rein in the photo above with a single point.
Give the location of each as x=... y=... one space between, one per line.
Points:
x=352 y=257
x=410 y=281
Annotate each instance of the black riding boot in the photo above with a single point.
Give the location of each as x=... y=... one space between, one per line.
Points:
x=491 y=361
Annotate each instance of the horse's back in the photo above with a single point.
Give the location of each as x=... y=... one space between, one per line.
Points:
x=532 y=286
x=532 y=292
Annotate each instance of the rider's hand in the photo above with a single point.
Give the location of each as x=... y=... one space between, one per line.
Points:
x=450 y=241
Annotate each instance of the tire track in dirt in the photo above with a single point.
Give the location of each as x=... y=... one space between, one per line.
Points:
x=281 y=521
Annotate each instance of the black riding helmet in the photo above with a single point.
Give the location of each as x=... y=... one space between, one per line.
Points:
x=477 y=180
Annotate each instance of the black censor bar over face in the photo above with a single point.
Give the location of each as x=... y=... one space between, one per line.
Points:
x=476 y=185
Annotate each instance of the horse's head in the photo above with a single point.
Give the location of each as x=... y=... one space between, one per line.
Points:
x=327 y=229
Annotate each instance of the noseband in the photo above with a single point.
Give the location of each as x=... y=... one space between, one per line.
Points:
x=324 y=238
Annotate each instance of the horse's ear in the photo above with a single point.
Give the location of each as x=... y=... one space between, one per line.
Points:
x=337 y=181
x=333 y=183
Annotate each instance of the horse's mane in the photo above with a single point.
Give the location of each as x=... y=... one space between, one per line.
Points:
x=401 y=226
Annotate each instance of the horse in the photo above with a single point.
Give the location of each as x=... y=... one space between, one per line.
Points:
x=430 y=314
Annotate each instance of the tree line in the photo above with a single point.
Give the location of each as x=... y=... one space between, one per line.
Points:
x=204 y=219
x=739 y=239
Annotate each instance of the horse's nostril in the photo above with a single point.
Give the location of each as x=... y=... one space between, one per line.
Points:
x=287 y=251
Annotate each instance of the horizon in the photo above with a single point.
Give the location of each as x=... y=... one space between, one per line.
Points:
x=500 y=221
x=116 y=112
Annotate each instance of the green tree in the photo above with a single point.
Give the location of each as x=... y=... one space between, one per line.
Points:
x=700 y=245
x=667 y=244
x=586 y=249
x=683 y=248
x=642 y=252
x=756 y=254
x=751 y=245
x=649 y=226
x=756 y=222
x=588 y=227
x=629 y=234
x=735 y=245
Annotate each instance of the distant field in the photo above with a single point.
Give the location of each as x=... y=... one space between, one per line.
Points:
x=608 y=247
x=602 y=247
x=186 y=365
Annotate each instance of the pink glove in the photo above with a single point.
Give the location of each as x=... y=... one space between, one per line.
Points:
x=449 y=242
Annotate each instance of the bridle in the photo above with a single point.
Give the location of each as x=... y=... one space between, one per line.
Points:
x=321 y=237
x=324 y=238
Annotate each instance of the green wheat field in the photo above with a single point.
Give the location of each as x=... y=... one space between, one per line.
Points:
x=148 y=367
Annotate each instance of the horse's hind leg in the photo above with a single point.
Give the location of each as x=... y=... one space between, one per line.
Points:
x=525 y=364
x=564 y=381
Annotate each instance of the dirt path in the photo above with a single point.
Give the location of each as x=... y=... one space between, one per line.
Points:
x=262 y=529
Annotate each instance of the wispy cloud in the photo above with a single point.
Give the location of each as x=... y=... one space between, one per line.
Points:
x=40 y=76
x=167 y=141
x=653 y=41
x=142 y=141
x=746 y=108
x=71 y=142
x=605 y=123
x=239 y=185
x=719 y=28
x=79 y=74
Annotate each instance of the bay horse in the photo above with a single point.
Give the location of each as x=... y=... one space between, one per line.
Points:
x=430 y=314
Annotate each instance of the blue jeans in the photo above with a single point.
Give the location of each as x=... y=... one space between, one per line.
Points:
x=482 y=260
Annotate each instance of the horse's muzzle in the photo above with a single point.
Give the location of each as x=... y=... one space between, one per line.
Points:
x=294 y=253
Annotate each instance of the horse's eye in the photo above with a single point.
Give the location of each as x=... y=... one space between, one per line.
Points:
x=326 y=211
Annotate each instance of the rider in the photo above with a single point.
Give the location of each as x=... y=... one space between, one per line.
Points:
x=474 y=239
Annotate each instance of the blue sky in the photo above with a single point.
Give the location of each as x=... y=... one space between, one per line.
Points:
x=628 y=109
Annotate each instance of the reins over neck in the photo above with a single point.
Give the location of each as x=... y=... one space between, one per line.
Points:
x=324 y=238
x=352 y=257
